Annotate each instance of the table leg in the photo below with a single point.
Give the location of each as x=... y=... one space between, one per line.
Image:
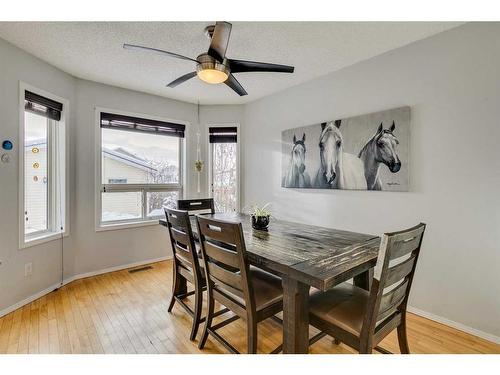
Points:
x=295 y=316
x=364 y=280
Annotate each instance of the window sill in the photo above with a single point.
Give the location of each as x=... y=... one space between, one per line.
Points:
x=135 y=224
x=43 y=238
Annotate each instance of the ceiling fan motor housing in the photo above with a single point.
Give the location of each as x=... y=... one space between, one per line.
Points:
x=209 y=31
x=208 y=63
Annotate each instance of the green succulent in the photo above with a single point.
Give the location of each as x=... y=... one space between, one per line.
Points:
x=258 y=211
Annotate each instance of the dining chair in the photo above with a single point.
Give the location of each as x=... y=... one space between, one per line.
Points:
x=250 y=293
x=360 y=318
x=196 y=206
x=186 y=264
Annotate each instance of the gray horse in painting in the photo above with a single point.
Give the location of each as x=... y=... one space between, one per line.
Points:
x=297 y=177
x=380 y=149
x=338 y=169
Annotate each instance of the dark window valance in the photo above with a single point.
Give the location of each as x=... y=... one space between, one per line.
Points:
x=136 y=124
x=42 y=106
x=220 y=134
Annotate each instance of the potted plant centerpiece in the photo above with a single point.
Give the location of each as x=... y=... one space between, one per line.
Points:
x=260 y=216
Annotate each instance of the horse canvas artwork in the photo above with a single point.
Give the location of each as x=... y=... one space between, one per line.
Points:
x=368 y=152
x=296 y=175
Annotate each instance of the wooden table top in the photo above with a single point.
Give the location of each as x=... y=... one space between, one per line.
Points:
x=317 y=256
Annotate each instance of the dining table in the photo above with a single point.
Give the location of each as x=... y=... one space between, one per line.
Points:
x=304 y=257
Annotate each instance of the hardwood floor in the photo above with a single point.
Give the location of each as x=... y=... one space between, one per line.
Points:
x=124 y=312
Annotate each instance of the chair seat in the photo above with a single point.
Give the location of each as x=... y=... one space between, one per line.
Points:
x=343 y=306
x=267 y=288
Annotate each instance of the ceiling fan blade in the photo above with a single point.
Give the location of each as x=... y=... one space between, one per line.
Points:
x=241 y=66
x=181 y=79
x=220 y=40
x=235 y=85
x=159 y=51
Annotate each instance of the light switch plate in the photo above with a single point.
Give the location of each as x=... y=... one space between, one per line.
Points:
x=5 y=158
x=28 y=269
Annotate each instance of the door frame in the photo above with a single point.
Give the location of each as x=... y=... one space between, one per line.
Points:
x=238 y=166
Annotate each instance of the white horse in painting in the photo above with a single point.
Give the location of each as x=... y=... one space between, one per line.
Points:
x=380 y=149
x=297 y=177
x=338 y=169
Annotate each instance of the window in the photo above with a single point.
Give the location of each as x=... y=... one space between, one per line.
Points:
x=42 y=166
x=224 y=169
x=117 y=180
x=140 y=168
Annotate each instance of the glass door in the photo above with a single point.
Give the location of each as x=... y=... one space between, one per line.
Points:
x=224 y=174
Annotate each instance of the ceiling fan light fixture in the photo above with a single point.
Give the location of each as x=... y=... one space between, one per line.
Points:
x=212 y=76
x=210 y=70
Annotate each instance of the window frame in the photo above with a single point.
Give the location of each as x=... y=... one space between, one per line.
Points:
x=57 y=144
x=210 y=160
x=143 y=188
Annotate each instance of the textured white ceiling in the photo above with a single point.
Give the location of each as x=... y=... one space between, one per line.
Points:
x=93 y=51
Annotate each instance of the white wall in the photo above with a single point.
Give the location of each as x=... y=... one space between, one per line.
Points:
x=85 y=250
x=452 y=83
x=97 y=250
x=16 y=65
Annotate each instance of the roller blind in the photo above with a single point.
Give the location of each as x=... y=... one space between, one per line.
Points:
x=136 y=124
x=223 y=134
x=42 y=106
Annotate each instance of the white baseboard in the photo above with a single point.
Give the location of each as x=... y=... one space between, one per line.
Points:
x=40 y=294
x=456 y=325
x=414 y=310
x=30 y=299
x=114 y=269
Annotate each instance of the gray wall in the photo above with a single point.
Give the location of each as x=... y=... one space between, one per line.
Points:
x=85 y=250
x=16 y=65
x=98 y=250
x=452 y=83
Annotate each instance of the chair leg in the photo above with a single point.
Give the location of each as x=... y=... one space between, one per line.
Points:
x=197 y=312
x=208 y=321
x=175 y=287
x=252 y=336
x=365 y=347
x=402 y=338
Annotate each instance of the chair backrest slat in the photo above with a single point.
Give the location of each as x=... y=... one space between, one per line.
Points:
x=402 y=244
x=179 y=236
x=176 y=219
x=225 y=259
x=225 y=255
x=183 y=256
x=225 y=277
x=392 y=300
x=196 y=206
x=399 y=271
x=220 y=231
x=395 y=268
x=182 y=240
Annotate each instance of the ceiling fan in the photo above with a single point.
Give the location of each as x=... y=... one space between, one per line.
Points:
x=214 y=67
